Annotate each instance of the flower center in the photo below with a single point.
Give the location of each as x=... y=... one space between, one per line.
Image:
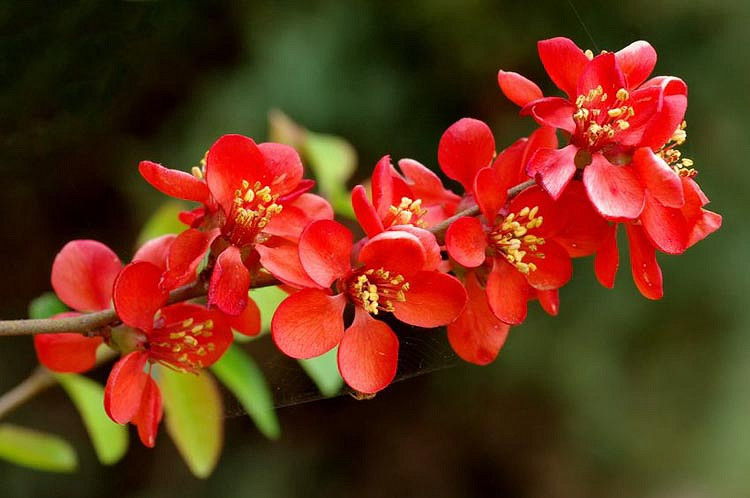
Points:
x=682 y=166
x=512 y=238
x=183 y=344
x=253 y=208
x=377 y=290
x=408 y=212
x=599 y=117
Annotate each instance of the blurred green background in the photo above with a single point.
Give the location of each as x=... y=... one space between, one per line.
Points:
x=616 y=397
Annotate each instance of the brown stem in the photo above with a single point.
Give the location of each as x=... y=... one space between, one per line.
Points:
x=90 y=323
x=440 y=228
x=37 y=382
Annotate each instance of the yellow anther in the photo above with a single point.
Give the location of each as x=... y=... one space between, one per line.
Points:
x=589 y=54
x=197 y=172
x=622 y=94
x=622 y=124
x=615 y=113
x=187 y=323
x=177 y=335
x=190 y=341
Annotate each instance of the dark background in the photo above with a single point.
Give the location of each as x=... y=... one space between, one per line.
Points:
x=618 y=396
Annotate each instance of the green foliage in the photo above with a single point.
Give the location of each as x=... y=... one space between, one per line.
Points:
x=332 y=159
x=267 y=299
x=194 y=417
x=163 y=221
x=324 y=371
x=241 y=375
x=46 y=305
x=37 y=450
x=110 y=440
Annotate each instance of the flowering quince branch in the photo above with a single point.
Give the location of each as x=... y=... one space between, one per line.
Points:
x=525 y=212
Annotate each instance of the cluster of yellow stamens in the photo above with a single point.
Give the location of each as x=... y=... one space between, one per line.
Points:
x=673 y=157
x=199 y=171
x=377 y=290
x=254 y=206
x=177 y=345
x=597 y=123
x=512 y=238
x=408 y=212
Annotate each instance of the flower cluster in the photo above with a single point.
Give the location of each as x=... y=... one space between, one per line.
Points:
x=422 y=254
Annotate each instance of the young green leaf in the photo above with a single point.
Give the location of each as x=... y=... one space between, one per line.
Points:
x=163 y=221
x=110 y=440
x=333 y=161
x=324 y=371
x=267 y=299
x=46 y=305
x=194 y=417
x=241 y=375
x=37 y=450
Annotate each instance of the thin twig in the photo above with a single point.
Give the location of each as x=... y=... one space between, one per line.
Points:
x=38 y=381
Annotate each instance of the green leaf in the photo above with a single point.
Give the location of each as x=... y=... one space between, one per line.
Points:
x=241 y=375
x=37 y=450
x=324 y=371
x=110 y=440
x=267 y=299
x=163 y=221
x=194 y=417
x=333 y=161
x=46 y=305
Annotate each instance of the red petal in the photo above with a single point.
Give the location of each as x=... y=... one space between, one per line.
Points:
x=563 y=61
x=125 y=386
x=156 y=251
x=382 y=186
x=553 y=271
x=83 y=274
x=185 y=254
x=367 y=216
x=283 y=168
x=646 y=271
x=489 y=192
x=325 y=249
x=397 y=251
x=281 y=258
x=509 y=164
x=554 y=112
x=230 y=282
x=663 y=183
x=670 y=113
x=553 y=169
x=433 y=258
x=602 y=71
x=465 y=147
x=607 y=260
x=295 y=216
x=232 y=159
x=665 y=227
x=477 y=335
x=636 y=61
x=549 y=300
x=518 y=89
x=426 y=185
x=466 y=242
x=368 y=354
x=308 y=323
x=138 y=295
x=66 y=353
x=247 y=322
x=149 y=413
x=701 y=221
x=174 y=183
x=584 y=230
x=433 y=299
x=544 y=137
x=507 y=292
x=615 y=191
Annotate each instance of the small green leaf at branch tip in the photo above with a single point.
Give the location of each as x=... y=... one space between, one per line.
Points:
x=163 y=221
x=324 y=371
x=267 y=299
x=37 y=450
x=333 y=161
x=194 y=417
x=46 y=306
x=110 y=440
x=239 y=373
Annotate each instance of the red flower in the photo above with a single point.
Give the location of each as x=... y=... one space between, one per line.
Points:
x=466 y=147
x=83 y=274
x=519 y=244
x=183 y=336
x=395 y=273
x=252 y=195
x=609 y=112
x=415 y=198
